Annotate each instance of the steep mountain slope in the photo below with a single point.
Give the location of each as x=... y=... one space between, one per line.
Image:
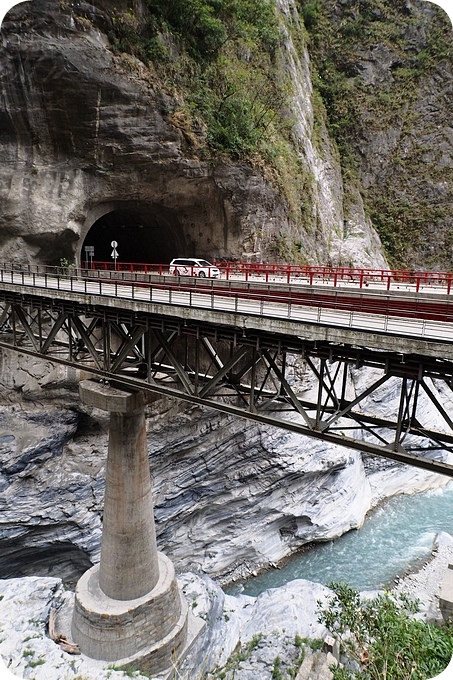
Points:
x=384 y=71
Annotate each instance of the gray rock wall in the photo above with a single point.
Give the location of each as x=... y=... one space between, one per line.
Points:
x=85 y=131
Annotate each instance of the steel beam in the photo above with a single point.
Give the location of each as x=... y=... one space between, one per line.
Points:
x=242 y=372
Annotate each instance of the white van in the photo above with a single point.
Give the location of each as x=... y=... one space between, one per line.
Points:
x=192 y=266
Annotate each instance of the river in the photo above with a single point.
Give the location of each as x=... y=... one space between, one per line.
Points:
x=395 y=536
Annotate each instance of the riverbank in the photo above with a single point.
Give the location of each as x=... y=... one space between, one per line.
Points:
x=425 y=583
x=262 y=628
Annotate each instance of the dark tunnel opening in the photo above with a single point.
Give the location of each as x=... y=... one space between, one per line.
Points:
x=144 y=234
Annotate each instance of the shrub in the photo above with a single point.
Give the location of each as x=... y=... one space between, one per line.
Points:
x=383 y=637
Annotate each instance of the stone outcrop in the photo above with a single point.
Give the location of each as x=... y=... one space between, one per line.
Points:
x=266 y=626
x=247 y=633
x=86 y=133
x=39 y=471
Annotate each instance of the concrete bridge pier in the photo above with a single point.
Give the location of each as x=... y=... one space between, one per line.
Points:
x=128 y=608
x=446 y=595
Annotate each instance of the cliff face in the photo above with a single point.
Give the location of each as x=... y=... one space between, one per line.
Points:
x=88 y=132
x=229 y=496
x=385 y=74
x=352 y=132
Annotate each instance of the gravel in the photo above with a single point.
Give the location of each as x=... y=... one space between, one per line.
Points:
x=425 y=583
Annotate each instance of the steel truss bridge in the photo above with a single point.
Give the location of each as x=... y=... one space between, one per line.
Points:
x=233 y=349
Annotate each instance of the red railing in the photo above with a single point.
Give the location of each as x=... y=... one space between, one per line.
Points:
x=139 y=267
x=335 y=275
x=405 y=303
x=311 y=274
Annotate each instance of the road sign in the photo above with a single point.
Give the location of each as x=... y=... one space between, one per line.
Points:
x=89 y=254
x=114 y=251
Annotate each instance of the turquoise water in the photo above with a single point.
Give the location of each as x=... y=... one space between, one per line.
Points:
x=394 y=537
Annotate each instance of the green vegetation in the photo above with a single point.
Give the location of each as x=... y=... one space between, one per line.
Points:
x=221 y=64
x=383 y=637
x=241 y=654
x=316 y=645
x=344 y=38
x=281 y=669
x=276 y=669
x=28 y=652
x=220 y=67
x=219 y=58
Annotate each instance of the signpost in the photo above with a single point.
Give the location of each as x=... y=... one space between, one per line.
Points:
x=114 y=254
x=89 y=254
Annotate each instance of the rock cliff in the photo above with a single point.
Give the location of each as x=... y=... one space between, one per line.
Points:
x=102 y=137
x=92 y=144
x=385 y=74
x=90 y=136
x=231 y=497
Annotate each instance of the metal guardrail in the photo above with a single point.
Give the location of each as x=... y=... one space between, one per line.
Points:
x=93 y=321
x=311 y=274
x=421 y=315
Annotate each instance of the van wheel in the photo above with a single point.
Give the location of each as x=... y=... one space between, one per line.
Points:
x=201 y=275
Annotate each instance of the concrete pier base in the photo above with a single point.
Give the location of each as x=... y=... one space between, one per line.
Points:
x=128 y=609
x=149 y=632
x=446 y=595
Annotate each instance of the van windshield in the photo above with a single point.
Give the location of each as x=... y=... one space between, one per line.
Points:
x=203 y=263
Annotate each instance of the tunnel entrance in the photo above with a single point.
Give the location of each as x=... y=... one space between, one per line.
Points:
x=149 y=234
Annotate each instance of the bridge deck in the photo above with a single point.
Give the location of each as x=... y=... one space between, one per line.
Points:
x=228 y=345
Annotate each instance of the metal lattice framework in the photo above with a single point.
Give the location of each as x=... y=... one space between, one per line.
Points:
x=246 y=373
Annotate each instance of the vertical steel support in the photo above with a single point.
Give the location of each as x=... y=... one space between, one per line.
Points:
x=401 y=409
x=320 y=388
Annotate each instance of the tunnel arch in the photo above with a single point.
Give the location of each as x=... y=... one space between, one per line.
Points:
x=145 y=232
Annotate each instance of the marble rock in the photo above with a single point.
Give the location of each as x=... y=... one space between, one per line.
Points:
x=27 y=650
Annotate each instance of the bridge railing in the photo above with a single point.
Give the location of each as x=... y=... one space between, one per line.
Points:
x=252 y=296
x=360 y=277
x=386 y=279
x=272 y=274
